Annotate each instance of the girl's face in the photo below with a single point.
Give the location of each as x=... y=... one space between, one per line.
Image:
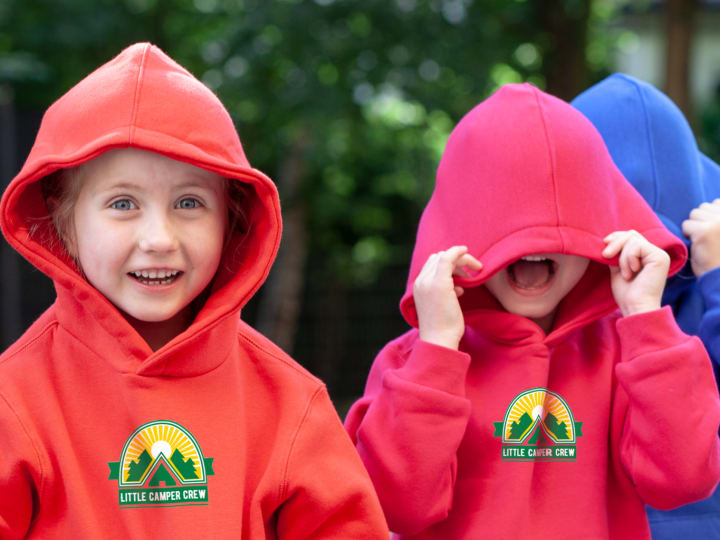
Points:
x=148 y=232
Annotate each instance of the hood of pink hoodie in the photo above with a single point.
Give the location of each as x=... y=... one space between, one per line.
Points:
x=143 y=99
x=524 y=173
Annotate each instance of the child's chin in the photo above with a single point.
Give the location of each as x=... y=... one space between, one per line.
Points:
x=530 y=312
x=152 y=316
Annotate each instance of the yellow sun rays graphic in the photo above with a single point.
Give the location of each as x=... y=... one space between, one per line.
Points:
x=560 y=412
x=533 y=406
x=156 y=439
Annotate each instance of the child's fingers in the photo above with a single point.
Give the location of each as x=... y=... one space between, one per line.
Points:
x=429 y=266
x=624 y=265
x=471 y=262
x=618 y=243
x=630 y=260
x=450 y=256
x=691 y=227
x=438 y=267
x=703 y=213
x=459 y=291
x=447 y=260
x=637 y=253
x=713 y=207
x=464 y=263
x=455 y=259
x=452 y=261
x=615 y=242
x=614 y=235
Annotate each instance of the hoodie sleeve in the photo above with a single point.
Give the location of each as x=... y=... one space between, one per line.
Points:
x=669 y=444
x=327 y=491
x=19 y=475
x=407 y=429
x=709 y=284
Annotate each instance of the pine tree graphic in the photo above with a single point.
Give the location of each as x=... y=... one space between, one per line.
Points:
x=138 y=468
x=185 y=467
x=557 y=428
x=518 y=428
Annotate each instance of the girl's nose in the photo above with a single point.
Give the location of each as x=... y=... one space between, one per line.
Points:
x=158 y=236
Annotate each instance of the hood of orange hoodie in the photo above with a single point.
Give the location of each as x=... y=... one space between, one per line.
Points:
x=524 y=173
x=143 y=99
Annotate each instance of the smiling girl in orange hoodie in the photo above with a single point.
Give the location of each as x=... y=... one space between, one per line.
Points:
x=139 y=405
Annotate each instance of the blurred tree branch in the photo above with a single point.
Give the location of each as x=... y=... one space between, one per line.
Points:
x=679 y=23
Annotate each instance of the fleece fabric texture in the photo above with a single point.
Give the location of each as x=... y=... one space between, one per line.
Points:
x=442 y=431
x=218 y=434
x=653 y=146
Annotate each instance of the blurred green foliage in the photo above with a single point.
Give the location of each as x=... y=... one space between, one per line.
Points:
x=709 y=140
x=372 y=88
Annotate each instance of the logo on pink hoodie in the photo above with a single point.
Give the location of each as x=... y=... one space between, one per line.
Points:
x=538 y=425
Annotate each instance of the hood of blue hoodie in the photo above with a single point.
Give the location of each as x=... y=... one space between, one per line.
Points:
x=652 y=144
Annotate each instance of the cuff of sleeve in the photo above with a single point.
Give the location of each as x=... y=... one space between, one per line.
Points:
x=437 y=367
x=649 y=332
x=709 y=284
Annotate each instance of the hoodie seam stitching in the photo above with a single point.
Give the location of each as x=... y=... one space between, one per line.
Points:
x=43 y=475
x=285 y=482
x=42 y=332
x=136 y=96
x=198 y=335
x=91 y=350
x=651 y=146
x=276 y=356
x=551 y=160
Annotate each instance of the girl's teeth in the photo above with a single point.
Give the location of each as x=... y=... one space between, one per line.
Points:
x=162 y=277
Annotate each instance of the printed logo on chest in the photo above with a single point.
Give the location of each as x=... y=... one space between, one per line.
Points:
x=161 y=464
x=538 y=425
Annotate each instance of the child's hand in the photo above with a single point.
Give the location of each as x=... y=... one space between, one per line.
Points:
x=639 y=280
x=703 y=230
x=440 y=318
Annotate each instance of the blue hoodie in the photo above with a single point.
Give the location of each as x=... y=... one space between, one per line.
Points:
x=654 y=147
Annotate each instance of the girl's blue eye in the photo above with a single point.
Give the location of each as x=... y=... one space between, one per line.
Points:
x=187 y=204
x=123 y=204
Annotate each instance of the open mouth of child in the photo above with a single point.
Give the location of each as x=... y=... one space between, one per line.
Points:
x=532 y=275
x=155 y=277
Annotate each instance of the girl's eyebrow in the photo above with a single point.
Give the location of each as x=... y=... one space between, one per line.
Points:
x=122 y=185
x=200 y=184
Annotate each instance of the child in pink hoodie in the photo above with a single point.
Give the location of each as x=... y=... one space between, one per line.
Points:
x=524 y=403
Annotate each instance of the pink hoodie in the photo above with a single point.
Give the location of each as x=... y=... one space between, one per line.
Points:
x=521 y=434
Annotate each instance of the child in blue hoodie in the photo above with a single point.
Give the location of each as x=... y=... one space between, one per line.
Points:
x=654 y=147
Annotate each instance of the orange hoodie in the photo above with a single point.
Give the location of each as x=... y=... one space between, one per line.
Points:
x=520 y=434
x=251 y=445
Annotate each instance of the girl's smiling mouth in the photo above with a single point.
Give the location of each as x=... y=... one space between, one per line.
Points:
x=155 y=276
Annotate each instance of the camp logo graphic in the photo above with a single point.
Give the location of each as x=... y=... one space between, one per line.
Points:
x=161 y=465
x=538 y=425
